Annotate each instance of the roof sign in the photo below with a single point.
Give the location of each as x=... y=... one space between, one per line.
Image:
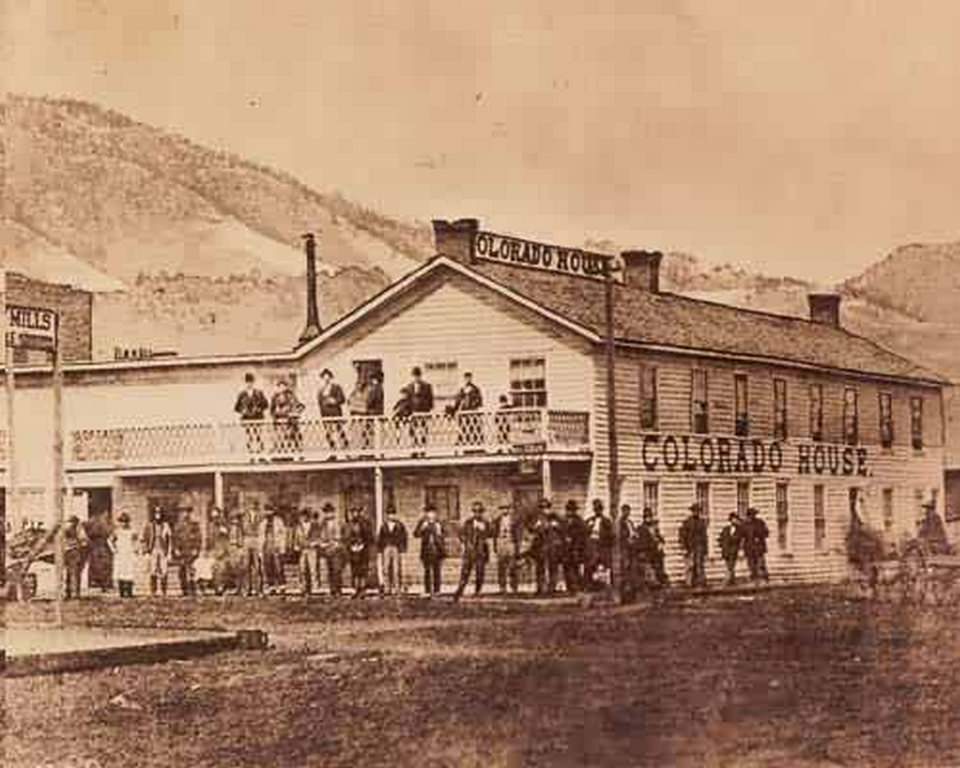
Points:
x=31 y=328
x=513 y=251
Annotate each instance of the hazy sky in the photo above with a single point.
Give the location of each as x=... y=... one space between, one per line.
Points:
x=801 y=137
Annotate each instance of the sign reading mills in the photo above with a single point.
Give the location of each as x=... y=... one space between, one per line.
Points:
x=504 y=249
x=31 y=328
x=722 y=455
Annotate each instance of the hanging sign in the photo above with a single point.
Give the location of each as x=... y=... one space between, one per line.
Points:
x=31 y=328
x=514 y=251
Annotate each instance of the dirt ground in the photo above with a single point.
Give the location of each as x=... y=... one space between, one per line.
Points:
x=788 y=678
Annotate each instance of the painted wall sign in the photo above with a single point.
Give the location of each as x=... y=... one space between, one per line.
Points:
x=31 y=328
x=504 y=249
x=723 y=455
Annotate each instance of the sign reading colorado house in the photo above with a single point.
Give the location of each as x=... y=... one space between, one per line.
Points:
x=504 y=249
x=722 y=455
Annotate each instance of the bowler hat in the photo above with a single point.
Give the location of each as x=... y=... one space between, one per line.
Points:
x=124 y=517
x=326 y=372
x=647 y=513
x=328 y=507
x=571 y=506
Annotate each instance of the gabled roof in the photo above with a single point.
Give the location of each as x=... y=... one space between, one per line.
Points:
x=678 y=322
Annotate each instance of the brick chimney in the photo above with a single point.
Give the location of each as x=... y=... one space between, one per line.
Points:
x=825 y=308
x=641 y=269
x=454 y=239
x=312 y=329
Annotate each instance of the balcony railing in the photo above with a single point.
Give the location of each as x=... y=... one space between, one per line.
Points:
x=350 y=438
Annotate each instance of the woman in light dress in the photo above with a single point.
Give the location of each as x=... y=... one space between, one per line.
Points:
x=125 y=555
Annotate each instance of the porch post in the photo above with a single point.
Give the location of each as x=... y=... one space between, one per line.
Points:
x=217 y=502
x=547 y=479
x=378 y=517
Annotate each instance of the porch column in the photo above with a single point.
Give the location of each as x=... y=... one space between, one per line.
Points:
x=378 y=516
x=547 y=479
x=217 y=503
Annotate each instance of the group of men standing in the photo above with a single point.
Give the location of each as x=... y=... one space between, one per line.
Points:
x=747 y=535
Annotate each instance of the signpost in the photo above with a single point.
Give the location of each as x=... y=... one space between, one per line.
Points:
x=37 y=328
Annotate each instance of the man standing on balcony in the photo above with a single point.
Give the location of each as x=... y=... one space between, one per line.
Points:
x=465 y=405
x=419 y=395
x=157 y=544
x=430 y=532
x=251 y=405
x=475 y=535
x=330 y=400
x=285 y=409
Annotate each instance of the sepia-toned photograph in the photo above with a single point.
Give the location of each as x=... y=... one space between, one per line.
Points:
x=493 y=385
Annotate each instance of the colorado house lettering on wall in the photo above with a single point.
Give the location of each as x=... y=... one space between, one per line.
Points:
x=723 y=455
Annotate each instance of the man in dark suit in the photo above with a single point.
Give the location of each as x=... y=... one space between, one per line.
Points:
x=419 y=395
x=475 y=535
x=392 y=544
x=330 y=400
x=251 y=405
x=574 y=547
x=430 y=532
x=599 y=542
x=693 y=541
x=466 y=406
x=730 y=540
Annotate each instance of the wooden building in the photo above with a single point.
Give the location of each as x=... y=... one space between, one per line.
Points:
x=731 y=408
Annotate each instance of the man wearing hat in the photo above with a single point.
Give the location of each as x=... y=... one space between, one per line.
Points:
x=330 y=548
x=187 y=540
x=251 y=405
x=306 y=535
x=285 y=409
x=647 y=549
x=358 y=539
x=419 y=397
x=693 y=541
x=508 y=540
x=730 y=541
x=74 y=554
x=330 y=400
x=468 y=401
x=392 y=544
x=430 y=532
x=547 y=548
x=124 y=545
x=475 y=535
x=157 y=542
x=574 y=531
x=755 y=536
x=599 y=542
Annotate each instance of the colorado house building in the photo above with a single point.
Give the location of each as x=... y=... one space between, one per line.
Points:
x=727 y=407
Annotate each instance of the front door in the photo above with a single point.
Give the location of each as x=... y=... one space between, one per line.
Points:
x=526 y=500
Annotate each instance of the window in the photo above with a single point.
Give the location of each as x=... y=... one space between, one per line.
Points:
x=816 y=412
x=916 y=422
x=888 y=509
x=699 y=407
x=442 y=375
x=783 y=516
x=446 y=499
x=651 y=497
x=703 y=499
x=819 y=518
x=741 y=425
x=528 y=382
x=648 y=397
x=886 y=419
x=743 y=497
x=851 y=419
x=779 y=409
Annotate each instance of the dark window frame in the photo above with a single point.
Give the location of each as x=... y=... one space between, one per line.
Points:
x=741 y=405
x=780 y=412
x=815 y=396
x=885 y=414
x=649 y=411
x=851 y=416
x=699 y=409
x=916 y=422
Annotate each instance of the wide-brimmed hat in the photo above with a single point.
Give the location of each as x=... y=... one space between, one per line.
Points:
x=123 y=518
x=328 y=507
x=571 y=506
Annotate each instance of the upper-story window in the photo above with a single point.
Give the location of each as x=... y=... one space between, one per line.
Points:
x=699 y=405
x=442 y=375
x=916 y=422
x=851 y=417
x=741 y=402
x=528 y=382
x=648 y=397
x=816 y=412
x=780 y=409
x=885 y=403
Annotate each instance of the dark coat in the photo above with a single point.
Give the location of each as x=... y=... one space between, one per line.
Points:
x=330 y=401
x=693 y=536
x=420 y=397
x=475 y=535
x=285 y=405
x=600 y=528
x=468 y=398
x=251 y=405
x=187 y=539
x=755 y=534
x=646 y=543
x=392 y=537
x=547 y=533
x=574 y=538
x=375 y=399
x=730 y=541
x=431 y=540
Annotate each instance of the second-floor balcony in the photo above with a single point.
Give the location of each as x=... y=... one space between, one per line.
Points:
x=354 y=438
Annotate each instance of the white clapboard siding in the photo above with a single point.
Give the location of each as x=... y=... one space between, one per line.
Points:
x=902 y=468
